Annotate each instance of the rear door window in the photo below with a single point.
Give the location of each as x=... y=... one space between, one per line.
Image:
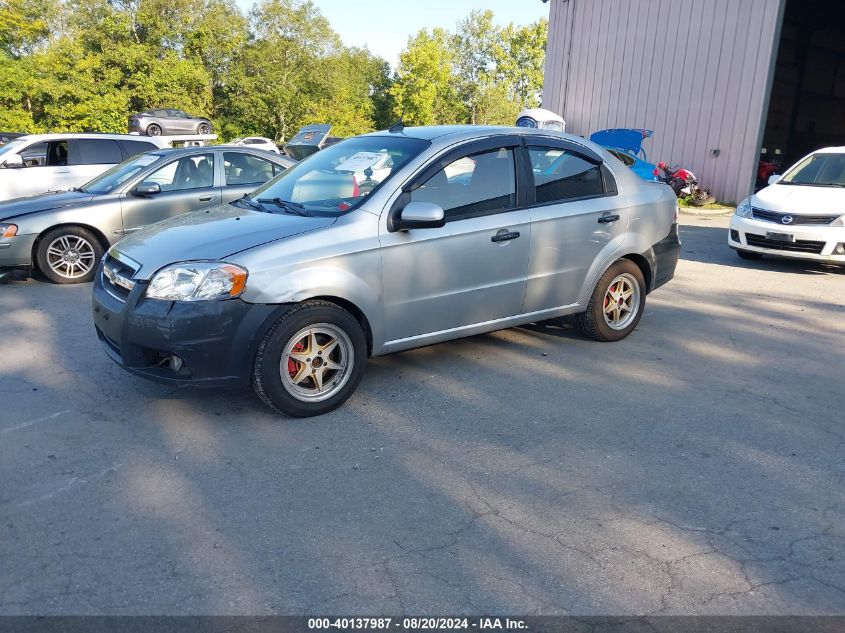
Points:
x=244 y=169
x=561 y=175
x=130 y=148
x=97 y=152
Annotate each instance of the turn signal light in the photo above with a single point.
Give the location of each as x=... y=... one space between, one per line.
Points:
x=8 y=230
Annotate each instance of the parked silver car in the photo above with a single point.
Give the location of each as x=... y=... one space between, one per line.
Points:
x=383 y=243
x=158 y=122
x=64 y=234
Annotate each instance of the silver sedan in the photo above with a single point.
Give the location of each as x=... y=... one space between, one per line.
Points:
x=64 y=234
x=383 y=243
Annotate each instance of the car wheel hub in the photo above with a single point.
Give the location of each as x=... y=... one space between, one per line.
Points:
x=621 y=301
x=317 y=362
x=71 y=256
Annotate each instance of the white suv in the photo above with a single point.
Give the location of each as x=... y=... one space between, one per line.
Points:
x=37 y=163
x=799 y=215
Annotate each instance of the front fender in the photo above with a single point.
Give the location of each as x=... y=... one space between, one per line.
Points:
x=326 y=280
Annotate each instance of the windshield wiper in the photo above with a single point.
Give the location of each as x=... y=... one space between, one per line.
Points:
x=287 y=205
x=250 y=202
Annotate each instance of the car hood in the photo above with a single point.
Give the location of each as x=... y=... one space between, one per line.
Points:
x=211 y=234
x=800 y=199
x=42 y=202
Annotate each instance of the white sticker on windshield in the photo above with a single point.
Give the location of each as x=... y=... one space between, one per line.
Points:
x=361 y=161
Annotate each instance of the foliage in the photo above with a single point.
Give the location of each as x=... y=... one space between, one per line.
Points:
x=482 y=73
x=77 y=65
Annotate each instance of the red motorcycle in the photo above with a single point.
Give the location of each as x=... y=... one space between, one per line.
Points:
x=684 y=184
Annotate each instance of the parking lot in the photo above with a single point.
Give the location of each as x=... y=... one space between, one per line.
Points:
x=695 y=467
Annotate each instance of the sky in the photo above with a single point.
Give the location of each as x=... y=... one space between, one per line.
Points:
x=384 y=26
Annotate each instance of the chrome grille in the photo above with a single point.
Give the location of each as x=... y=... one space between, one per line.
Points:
x=797 y=220
x=117 y=277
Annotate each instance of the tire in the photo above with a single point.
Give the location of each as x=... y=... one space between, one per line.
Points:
x=203 y=128
x=68 y=255
x=618 y=324
x=153 y=129
x=749 y=254
x=280 y=371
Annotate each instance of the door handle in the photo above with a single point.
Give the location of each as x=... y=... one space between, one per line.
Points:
x=607 y=218
x=505 y=237
x=206 y=197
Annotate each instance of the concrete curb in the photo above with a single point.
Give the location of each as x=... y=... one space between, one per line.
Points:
x=700 y=212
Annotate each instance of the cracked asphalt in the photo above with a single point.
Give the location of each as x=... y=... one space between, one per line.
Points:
x=694 y=468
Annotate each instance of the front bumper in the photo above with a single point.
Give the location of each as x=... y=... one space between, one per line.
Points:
x=816 y=243
x=16 y=252
x=216 y=341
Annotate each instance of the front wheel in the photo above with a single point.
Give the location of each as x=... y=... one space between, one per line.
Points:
x=68 y=255
x=616 y=305
x=311 y=360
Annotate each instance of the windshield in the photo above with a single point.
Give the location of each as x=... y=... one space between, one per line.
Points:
x=340 y=178
x=11 y=145
x=117 y=175
x=818 y=170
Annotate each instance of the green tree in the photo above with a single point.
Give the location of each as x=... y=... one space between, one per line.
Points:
x=520 y=58
x=424 y=88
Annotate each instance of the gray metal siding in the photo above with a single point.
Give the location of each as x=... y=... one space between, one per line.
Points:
x=694 y=71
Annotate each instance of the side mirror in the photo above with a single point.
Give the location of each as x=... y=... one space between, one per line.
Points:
x=147 y=189
x=420 y=215
x=13 y=160
x=774 y=178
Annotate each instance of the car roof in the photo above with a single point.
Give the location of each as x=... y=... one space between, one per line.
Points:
x=201 y=149
x=830 y=150
x=81 y=135
x=457 y=133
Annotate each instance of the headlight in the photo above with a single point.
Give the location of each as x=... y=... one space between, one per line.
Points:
x=197 y=281
x=8 y=230
x=744 y=208
x=840 y=221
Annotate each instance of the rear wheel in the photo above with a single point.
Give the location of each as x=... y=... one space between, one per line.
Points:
x=311 y=360
x=153 y=129
x=68 y=255
x=749 y=254
x=616 y=305
x=203 y=128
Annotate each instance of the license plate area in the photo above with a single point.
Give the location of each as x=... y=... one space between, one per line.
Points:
x=780 y=237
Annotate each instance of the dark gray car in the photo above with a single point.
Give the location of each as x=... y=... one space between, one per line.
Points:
x=64 y=234
x=158 y=122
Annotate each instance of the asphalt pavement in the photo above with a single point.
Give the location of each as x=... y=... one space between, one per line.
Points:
x=696 y=467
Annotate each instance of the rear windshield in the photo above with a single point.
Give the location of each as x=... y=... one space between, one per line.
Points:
x=818 y=170
x=117 y=175
x=340 y=178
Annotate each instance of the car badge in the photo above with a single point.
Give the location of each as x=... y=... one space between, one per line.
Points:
x=787 y=219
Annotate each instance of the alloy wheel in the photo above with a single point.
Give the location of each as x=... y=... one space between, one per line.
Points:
x=621 y=301
x=71 y=256
x=317 y=362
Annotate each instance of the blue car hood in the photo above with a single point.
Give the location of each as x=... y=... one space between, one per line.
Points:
x=42 y=202
x=212 y=234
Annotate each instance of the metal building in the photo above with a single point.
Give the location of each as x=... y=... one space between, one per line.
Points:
x=721 y=82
